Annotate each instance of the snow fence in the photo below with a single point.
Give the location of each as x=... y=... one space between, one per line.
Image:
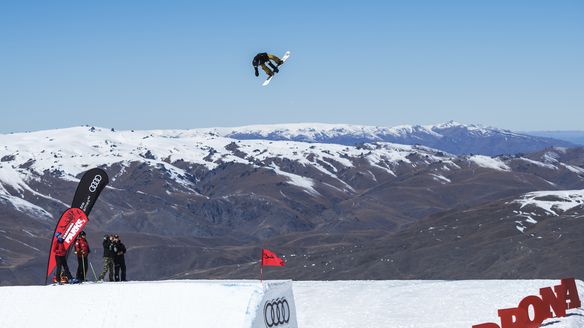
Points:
x=176 y=303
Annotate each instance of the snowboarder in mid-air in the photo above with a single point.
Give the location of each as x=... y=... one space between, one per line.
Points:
x=262 y=59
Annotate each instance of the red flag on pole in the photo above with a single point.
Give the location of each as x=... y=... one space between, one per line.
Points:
x=270 y=258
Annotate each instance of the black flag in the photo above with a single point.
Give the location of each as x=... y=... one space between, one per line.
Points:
x=89 y=188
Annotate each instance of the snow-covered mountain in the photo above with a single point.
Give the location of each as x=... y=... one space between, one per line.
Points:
x=452 y=137
x=552 y=202
x=174 y=193
x=71 y=151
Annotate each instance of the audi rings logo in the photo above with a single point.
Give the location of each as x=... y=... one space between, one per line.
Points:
x=95 y=183
x=276 y=312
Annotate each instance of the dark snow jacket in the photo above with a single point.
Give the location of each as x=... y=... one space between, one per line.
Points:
x=260 y=58
x=118 y=249
x=107 y=250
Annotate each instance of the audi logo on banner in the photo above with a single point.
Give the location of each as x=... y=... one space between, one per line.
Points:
x=95 y=183
x=276 y=312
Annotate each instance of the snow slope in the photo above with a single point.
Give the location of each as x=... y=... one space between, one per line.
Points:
x=452 y=137
x=73 y=149
x=416 y=303
x=323 y=304
x=143 y=304
x=553 y=202
x=25 y=156
x=489 y=162
x=317 y=132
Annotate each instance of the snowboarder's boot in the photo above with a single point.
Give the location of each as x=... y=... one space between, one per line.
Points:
x=64 y=279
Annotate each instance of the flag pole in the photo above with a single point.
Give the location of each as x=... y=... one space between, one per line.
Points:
x=261 y=266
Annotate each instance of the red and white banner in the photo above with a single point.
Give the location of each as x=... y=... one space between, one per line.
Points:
x=551 y=303
x=70 y=225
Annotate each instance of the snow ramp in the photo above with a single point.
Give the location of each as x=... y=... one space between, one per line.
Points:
x=175 y=303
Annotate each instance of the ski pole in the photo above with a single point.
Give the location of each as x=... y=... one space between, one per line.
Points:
x=83 y=264
x=94 y=275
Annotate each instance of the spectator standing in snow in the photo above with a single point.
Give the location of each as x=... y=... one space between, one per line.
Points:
x=119 y=249
x=82 y=252
x=108 y=259
x=61 y=260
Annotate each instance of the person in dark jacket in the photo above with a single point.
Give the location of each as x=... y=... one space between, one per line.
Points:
x=61 y=259
x=119 y=249
x=82 y=251
x=262 y=59
x=108 y=259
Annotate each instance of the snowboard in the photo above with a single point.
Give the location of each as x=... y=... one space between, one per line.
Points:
x=284 y=58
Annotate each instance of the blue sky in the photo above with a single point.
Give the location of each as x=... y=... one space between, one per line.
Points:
x=186 y=64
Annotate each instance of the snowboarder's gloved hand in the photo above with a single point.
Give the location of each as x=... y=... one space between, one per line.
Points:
x=256 y=71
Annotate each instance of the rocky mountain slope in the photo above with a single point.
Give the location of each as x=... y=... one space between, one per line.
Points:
x=198 y=204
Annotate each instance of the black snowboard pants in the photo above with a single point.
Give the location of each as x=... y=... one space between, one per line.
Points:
x=120 y=269
x=62 y=267
x=82 y=264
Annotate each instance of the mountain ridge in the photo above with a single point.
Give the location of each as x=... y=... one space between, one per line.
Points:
x=202 y=204
x=452 y=137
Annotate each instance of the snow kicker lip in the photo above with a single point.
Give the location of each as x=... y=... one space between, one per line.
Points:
x=279 y=312
x=276 y=308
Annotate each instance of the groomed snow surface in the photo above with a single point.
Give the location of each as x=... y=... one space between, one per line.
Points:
x=338 y=304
